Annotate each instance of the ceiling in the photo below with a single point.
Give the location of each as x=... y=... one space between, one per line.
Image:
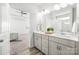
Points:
x=32 y=7
x=37 y=7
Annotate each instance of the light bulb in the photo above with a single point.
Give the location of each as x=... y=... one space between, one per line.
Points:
x=46 y=12
x=57 y=7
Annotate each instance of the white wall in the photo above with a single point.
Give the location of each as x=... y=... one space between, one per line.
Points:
x=48 y=20
x=4 y=35
x=5 y=18
x=19 y=25
x=0 y=18
x=33 y=22
x=77 y=10
x=77 y=17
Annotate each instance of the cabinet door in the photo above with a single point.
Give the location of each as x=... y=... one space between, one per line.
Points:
x=37 y=42
x=45 y=44
x=65 y=50
x=0 y=50
x=53 y=48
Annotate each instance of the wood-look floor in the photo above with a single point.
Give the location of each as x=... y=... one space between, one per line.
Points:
x=31 y=51
x=35 y=51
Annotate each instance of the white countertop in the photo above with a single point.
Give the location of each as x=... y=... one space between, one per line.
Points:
x=70 y=37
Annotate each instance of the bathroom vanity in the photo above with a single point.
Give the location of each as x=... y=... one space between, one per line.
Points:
x=63 y=41
x=56 y=44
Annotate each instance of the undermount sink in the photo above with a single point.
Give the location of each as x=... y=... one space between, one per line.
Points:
x=67 y=34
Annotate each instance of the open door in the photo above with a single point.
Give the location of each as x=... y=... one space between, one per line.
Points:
x=20 y=26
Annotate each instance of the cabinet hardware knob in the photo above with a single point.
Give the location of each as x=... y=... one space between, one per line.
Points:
x=59 y=48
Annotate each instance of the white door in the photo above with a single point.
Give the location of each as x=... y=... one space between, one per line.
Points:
x=20 y=23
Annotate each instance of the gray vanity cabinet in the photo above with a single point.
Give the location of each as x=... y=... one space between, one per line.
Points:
x=57 y=48
x=51 y=45
x=45 y=44
x=37 y=41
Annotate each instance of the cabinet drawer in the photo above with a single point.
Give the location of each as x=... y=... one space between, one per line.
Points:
x=37 y=35
x=67 y=42
x=44 y=41
x=53 y=39
x=44 y=37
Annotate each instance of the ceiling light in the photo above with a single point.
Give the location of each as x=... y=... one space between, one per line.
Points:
x=46 y=12
x=63 y=5
x=56 y=7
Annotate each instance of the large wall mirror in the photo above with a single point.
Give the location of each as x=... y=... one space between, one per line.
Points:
x=66 y=20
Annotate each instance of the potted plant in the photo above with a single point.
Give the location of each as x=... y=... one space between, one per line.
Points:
x=50 y=30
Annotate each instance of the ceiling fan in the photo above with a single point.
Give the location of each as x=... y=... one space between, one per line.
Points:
x=23 y=13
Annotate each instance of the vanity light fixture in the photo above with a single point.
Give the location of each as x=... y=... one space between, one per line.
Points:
x=46 y=11
x=43 y=12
